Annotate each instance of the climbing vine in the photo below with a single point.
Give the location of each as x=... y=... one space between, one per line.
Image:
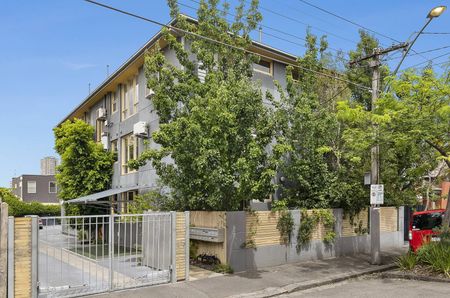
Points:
x=285 y=222
x=253 y=228
x=311 y=222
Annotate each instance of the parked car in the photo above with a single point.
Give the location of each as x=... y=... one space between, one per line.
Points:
x=421 y=227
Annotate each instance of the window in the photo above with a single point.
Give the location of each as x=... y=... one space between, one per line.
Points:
x=113 y=98
x=99 y=130
x=114 y=149
x=129 y=98
x=129 y=151
x=31 y=186
x=427 y=221
x=126 y=198
x=52 y=187
x=263 y=66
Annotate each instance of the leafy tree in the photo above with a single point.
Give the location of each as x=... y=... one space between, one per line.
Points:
x=214 y=134
x=315 y=169
x=410 y=124
x=362 y=72
x=418 y=109
x=85 y=166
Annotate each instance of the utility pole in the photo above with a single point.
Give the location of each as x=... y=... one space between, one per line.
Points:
x=374 y=63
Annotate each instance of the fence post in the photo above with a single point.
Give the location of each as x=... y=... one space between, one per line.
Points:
x=111 y=251
x=173 y=246
x=11 y=257
x=187 y=244
x=3 y=248
x=34 y=255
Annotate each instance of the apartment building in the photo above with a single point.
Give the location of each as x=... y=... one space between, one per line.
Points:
x=48 y=165
x=39 y=188
x=122 y=113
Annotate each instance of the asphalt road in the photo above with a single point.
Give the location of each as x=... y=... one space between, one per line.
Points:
x=378 y=288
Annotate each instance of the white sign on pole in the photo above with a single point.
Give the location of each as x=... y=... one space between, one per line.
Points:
x=376 y=194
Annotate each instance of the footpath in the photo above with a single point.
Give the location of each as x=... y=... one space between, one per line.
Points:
x=267 y=282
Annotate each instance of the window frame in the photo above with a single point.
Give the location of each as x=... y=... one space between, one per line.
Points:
x=129 y=98
x=125 y=155
x=113 y=100
x=270 y=72
x=49 y=187
x=28 y=186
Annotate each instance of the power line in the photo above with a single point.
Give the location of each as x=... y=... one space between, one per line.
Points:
x=274 y=29
x=222 y=43
x=348 y=21
x=435 y=33
x=430 y=60
x=356 y=24
x=418 y=53
x=306 y=24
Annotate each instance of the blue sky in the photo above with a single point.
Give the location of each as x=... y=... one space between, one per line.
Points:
x=51 y=50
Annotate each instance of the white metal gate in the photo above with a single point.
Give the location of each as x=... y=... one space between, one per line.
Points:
x=81 y=255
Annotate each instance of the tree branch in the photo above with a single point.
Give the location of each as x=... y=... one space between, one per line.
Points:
x=440 y=150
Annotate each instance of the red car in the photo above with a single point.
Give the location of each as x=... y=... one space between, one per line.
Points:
x=421 y=227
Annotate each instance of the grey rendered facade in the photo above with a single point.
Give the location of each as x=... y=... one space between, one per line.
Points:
x=113 y=129
x=39 y=188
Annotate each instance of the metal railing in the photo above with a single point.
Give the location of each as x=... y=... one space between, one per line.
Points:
x=81 y=255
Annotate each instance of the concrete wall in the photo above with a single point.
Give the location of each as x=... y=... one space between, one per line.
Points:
x=270 y=254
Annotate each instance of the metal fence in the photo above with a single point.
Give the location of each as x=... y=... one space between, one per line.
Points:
x=81 y=255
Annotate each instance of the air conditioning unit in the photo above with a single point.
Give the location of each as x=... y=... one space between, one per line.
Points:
x=104 y=140
x=149 y=93
x=140 y=129
x=101 y=114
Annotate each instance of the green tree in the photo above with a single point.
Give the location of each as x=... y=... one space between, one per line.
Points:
x=85 y=166
x=418 y=109
x=214 y=133
x=361 y=73
x=315 y=169
x=410 y=124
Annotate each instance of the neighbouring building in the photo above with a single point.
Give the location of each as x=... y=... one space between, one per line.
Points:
x=122 y=113
x=438 y=187
x=48 y=165
x=39 y=188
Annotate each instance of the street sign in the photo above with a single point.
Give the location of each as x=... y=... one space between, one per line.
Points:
x=376 y=194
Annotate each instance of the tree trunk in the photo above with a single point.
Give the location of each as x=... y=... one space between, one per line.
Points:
x=446 y=220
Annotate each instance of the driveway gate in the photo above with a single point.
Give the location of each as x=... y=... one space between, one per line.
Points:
x=81 y=255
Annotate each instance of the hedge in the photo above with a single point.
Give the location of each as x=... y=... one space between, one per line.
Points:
x=18 y=208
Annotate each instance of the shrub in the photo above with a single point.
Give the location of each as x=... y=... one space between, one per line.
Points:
x=436 y=255
x=18 y=208
x=223 y=268
x=407 y=262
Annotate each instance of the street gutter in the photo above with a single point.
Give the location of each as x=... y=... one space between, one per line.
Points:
x=295 y=287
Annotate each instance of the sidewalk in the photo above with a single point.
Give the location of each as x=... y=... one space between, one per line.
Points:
x=268 y=281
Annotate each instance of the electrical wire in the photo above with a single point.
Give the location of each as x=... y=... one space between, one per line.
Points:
x=348 y=20
x=430 y=60
x=307 y=25
x=424 y=52
x=274 y=29
x=223 y=43
x=356 y=24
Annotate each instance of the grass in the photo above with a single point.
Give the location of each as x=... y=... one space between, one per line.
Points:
x=407 y=262
x=434 y=256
